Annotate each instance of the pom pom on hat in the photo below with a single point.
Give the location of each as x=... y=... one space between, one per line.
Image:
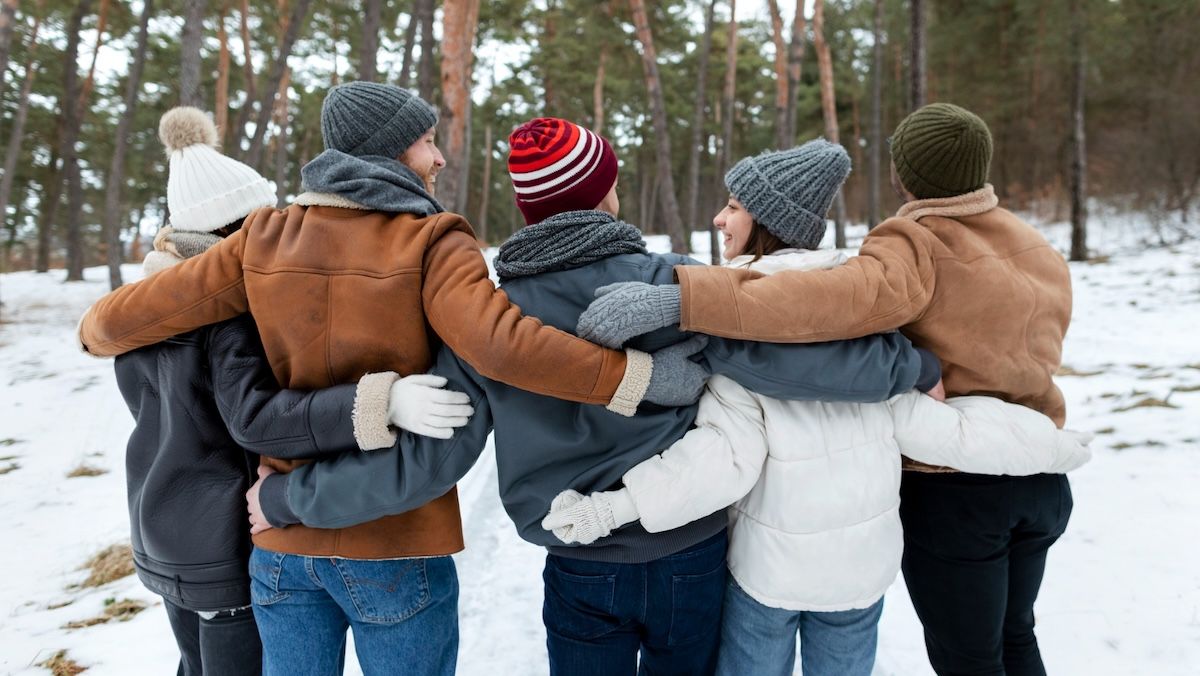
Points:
x=186 y=126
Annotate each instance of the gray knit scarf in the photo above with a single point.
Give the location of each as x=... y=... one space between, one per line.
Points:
x=565 y=241
x=374 y=181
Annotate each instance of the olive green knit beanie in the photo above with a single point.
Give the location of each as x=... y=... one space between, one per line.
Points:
x=942 y=150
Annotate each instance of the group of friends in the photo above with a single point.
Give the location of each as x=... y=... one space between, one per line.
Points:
x=721 y=461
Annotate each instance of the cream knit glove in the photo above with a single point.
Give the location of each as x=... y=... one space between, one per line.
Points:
x=576 y=518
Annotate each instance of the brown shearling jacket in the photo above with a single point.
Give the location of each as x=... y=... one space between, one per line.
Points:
x=338 y=292
x=973 y=283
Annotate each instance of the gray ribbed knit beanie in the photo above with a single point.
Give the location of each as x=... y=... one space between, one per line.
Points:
x=942 y=150
x=367 y=118
x=789 y=191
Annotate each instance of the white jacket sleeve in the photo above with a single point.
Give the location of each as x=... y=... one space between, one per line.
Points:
x=713 y=466
x=984 y=435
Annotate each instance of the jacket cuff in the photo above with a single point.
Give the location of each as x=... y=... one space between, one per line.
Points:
x=370 y=415
x=632 y=390
x=931 y=370
x=79 y=336
x=272 y=499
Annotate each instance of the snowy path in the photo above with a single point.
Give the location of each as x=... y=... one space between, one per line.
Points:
x=1122 y=593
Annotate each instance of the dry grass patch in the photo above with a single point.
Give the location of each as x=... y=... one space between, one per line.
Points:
x=9 y=467
x=121 y=611
x=61 y=665
x=1186 y=388
x=111 y=563
x=1106 y=430
x=1065 y=370
x=85 y=469
x=1148 y=402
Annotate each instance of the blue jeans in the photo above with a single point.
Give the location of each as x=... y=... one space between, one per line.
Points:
x=761 y=640
x=599 y=615
x=402 y=612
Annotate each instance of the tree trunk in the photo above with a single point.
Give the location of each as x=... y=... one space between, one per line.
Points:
x=829 y=111
x=12 y=152
x=1079 y=251
x=482 y=222
x=714 y=239
x=281 y=140
x=546 y=42
x=8 y=16
x=423 y=15
x=221 y=105
x=782 y=140
x=459 y=20
x=190 y=93
x=795 y=57
x=72 y=109
x=116 y=170
x=243 y=114
x=876 y=142
x=295 y=23
x=372 y=16
x=916 y=97
x=410 y=36
x=598 y=92
x=49 y=202
x=693 y=177
x=662 y=138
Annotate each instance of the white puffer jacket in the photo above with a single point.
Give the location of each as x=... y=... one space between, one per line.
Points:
x=816 y=522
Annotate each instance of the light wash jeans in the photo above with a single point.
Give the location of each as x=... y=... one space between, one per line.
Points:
x=760 y=640
x=404 y=614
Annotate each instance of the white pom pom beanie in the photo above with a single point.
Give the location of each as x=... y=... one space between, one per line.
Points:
x=206 y=190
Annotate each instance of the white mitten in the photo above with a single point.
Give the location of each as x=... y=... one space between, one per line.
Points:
x=576 y=518
x=419 y=404
x=1073 y=451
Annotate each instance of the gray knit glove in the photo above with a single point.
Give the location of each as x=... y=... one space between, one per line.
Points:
x=626 y=310
x=677 y=380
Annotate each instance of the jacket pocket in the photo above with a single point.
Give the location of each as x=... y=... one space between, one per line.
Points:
x=386 y=591
x=265 y=570
x=578 y=605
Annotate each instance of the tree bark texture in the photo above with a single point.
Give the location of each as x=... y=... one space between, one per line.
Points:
x=410 y=36
x=698 y=135
x=662 y=138
x=598 y=92
x=281 y=140
x=459 y=20
x=482 y=222
x=70 y=156
x=795 y=57
x=372 y=16
x=782 y=140
x=8 y=17
x=116 y=170
x=221 y=105
x=12 y=153
x=423 y=14
x=916 y=97
x=295 y=23
x=727 y=96
x=1079 y=250
x=829 y=112
x=190 y=92
x=876 y=141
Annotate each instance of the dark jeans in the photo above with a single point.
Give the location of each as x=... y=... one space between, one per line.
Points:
x=974 y=553
x=226 y=645
x=599 y=615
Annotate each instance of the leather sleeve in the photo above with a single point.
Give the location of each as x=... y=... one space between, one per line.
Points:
x=202 y=290
x=889 y=284
x=487 y=331
x=262 y=418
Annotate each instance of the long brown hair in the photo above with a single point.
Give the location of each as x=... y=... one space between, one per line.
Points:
x=761 y=243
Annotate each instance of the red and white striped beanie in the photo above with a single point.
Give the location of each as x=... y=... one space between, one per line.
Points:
x=559 y=166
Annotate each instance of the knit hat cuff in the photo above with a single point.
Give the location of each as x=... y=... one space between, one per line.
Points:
x=221 y=210
x=411 y=120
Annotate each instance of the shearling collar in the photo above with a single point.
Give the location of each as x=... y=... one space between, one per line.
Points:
x=327 y=199
x=970 y=204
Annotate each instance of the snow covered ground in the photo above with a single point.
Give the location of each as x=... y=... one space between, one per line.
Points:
x=1121 y=596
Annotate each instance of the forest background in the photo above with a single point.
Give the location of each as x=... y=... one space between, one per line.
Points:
x=1093 y=103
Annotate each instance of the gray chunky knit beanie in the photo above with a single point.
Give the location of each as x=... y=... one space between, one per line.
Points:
x=367 y=118
x=789 y=191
